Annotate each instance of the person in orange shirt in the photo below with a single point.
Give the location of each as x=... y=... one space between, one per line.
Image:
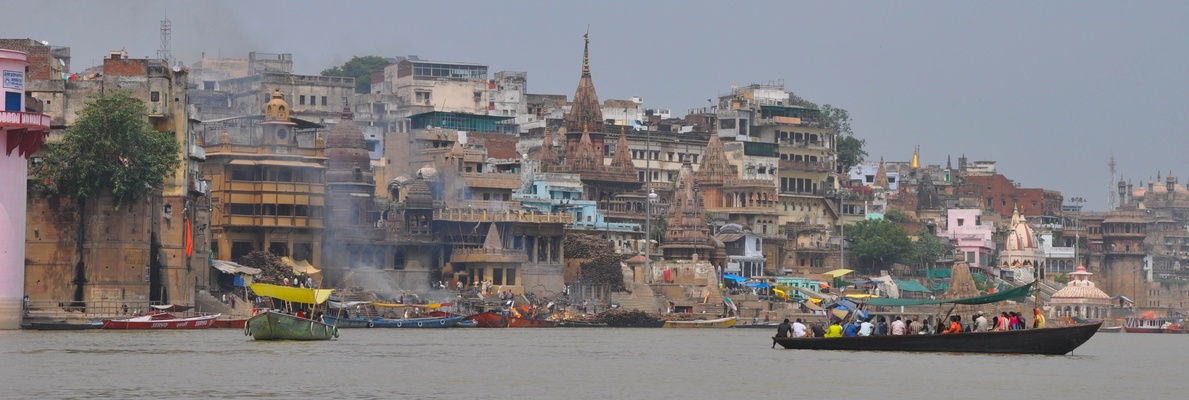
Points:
x=955 y=326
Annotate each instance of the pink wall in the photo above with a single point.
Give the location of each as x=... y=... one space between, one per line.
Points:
x=13 y=175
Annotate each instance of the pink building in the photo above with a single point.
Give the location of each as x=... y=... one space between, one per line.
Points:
x=968 y=233
x=21 y=134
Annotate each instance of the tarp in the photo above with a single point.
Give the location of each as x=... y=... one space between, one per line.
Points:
x=811 y=306
x=340 y=304
x=759 y=285
x=398 y=305
x=780 y=293
x=229 y=267
x=300 y=267
x=838 y=272
x=727 y=300
x=735 y=278
x=860 y=296
x=293 y=294
x=1015 y=293
x=912 y=286
x=939 y=273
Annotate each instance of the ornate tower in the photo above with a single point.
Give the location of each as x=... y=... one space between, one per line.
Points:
x=687 y=235
x=278 y=130
x=349 y=178
x=586 y=114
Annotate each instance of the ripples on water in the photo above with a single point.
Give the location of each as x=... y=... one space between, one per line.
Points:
x=561 y=363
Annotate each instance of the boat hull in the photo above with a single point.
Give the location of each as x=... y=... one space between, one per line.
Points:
x=488 y=320
x=515 y=322
x=171 y=323
x=347 y=322
x=1051 y=341
x=713 y=323
x=443 y=322
x=230 y=323
x=277 y=326
x=61 y=326
x=1133 y=329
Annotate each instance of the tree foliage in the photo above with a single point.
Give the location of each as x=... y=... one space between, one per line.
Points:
x=897 y=216
x=928 y=247
x=272 y=270
x=837 y=120
x=361 y=69
x=110 y=149
x=877 y=243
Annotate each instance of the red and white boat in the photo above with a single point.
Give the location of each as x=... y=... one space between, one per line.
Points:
x=161 y=321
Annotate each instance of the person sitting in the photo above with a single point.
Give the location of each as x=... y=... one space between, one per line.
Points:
x=1038 y=319
x=851 y=329
x=798 y=329
x=980 y=322
x=955 y=326
x=782 y=330
x=835 y=330
x=881 y=327
x=898 y=327
x=816 y=330
x=866 y=328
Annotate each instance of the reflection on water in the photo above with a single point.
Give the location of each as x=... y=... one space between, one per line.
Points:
x=572 y=363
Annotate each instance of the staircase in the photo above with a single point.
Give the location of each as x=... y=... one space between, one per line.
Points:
x=640 y=298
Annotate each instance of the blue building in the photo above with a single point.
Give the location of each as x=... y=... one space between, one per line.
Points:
x=562 y=193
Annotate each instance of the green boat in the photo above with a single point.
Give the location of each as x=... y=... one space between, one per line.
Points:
x=270 y=325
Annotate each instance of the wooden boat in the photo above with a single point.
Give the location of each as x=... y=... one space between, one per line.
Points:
x=161 y=320
x=270 y=325
x=757 y=326
x=1151 y=325
x=1111 y=329
x=518 y=322
x=579 y=324
x=230 y=323
x=1053 y=341
x=345 y=322
x=61 y=326
x=712 y=323
x=426 y=322
x=488 y=319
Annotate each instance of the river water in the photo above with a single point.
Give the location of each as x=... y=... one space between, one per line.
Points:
x=561 y=363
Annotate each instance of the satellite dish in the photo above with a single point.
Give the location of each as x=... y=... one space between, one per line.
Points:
x=177 y=68
x=45 y=43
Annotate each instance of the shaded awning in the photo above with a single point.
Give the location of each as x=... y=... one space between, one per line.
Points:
x=912 y=286
x=810 y=305
x=759 y=285
x=734 y=277
x=232 y=268
x=838 y=272
x=300 y=267
x=171 y=307
x=293 y=294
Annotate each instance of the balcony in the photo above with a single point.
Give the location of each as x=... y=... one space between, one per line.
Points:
x=484 y=215
x=25 y=120
x=813 y=166
x=197 y=153
x=479 y=255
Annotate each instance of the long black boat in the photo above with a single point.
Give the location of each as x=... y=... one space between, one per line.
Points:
x=1052 y=341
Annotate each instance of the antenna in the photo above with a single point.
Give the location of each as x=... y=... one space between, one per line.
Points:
x=164 y=52
x=1110 y=186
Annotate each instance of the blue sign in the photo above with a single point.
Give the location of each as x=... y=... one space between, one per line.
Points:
x=14 y=80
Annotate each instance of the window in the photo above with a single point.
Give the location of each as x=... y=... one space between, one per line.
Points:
x=497 y=276
x=961 y=221
x=510 y=277
x=398 y=260
x=323 y=100
x=154 y=96
x=423 y=97
x=301 y=210
x=240 y=209
x=243 y=174
x=301 y=100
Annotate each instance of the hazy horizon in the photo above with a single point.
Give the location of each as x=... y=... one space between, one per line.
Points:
x=1049 y=90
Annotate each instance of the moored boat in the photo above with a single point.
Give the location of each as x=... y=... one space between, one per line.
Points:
x=488 y=320
x=271 y=325
x=161 y=321
x=518 y=322
x=426 y=322
x=346 y=322
x=712 y=323
x=1052 y=341
x=230 y=323
x=61 y=326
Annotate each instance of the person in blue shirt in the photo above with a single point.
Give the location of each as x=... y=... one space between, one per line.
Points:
x=850 y=329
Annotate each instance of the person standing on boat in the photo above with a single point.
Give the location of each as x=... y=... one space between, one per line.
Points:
x=1021 y=322
x=898 y=327
x=980 y=322
x=798 y=329
x=1038 y=319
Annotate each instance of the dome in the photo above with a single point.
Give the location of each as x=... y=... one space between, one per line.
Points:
x=276 y=109
x=1139 y=193
x=346 y=150
x=1080 y=287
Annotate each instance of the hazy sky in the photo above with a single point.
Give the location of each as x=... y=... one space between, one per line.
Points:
x=1048 y=89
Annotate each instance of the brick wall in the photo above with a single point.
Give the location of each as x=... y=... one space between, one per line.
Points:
x=38 y=55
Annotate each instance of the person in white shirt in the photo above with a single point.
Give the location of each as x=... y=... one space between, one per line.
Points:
x=898 y=327
x=980 y=322
x=866 y=327
x=798 y=329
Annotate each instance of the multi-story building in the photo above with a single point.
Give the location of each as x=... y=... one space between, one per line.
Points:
x=268 y=184
x=145 y=250
x=312 y=97
x=970 y=235
x=23 y=129
x=421 y=86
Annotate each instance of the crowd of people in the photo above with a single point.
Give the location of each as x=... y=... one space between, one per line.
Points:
x=879 y=326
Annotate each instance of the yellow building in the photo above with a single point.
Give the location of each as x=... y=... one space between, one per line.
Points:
x=268 y=187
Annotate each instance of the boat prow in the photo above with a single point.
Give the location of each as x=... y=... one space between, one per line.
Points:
x=269 y=325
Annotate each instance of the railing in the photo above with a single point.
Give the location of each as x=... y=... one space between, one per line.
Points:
x=87 y=309
x=472 y=215
x=746 y=182
x=25 y=119
x=816 y=166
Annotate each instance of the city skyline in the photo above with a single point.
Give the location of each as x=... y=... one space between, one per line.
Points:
x=1051 y=91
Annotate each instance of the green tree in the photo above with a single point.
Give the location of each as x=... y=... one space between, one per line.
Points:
x=928 y=247
x=877 y=243
x=850 y=151
x=361 y=69
x=110 y=150
x=897 y=216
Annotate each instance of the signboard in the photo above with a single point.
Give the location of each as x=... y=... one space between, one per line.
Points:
x=14 y=80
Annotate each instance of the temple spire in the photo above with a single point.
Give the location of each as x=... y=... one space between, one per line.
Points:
x=586 y=54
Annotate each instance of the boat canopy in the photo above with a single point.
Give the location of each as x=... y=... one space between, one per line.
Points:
x=837 y=273
x=293 y=294
x=429 y=306
x=1014 y=293
x=300 y=267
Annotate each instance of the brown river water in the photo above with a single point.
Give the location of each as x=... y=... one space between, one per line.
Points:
x=562 y=363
